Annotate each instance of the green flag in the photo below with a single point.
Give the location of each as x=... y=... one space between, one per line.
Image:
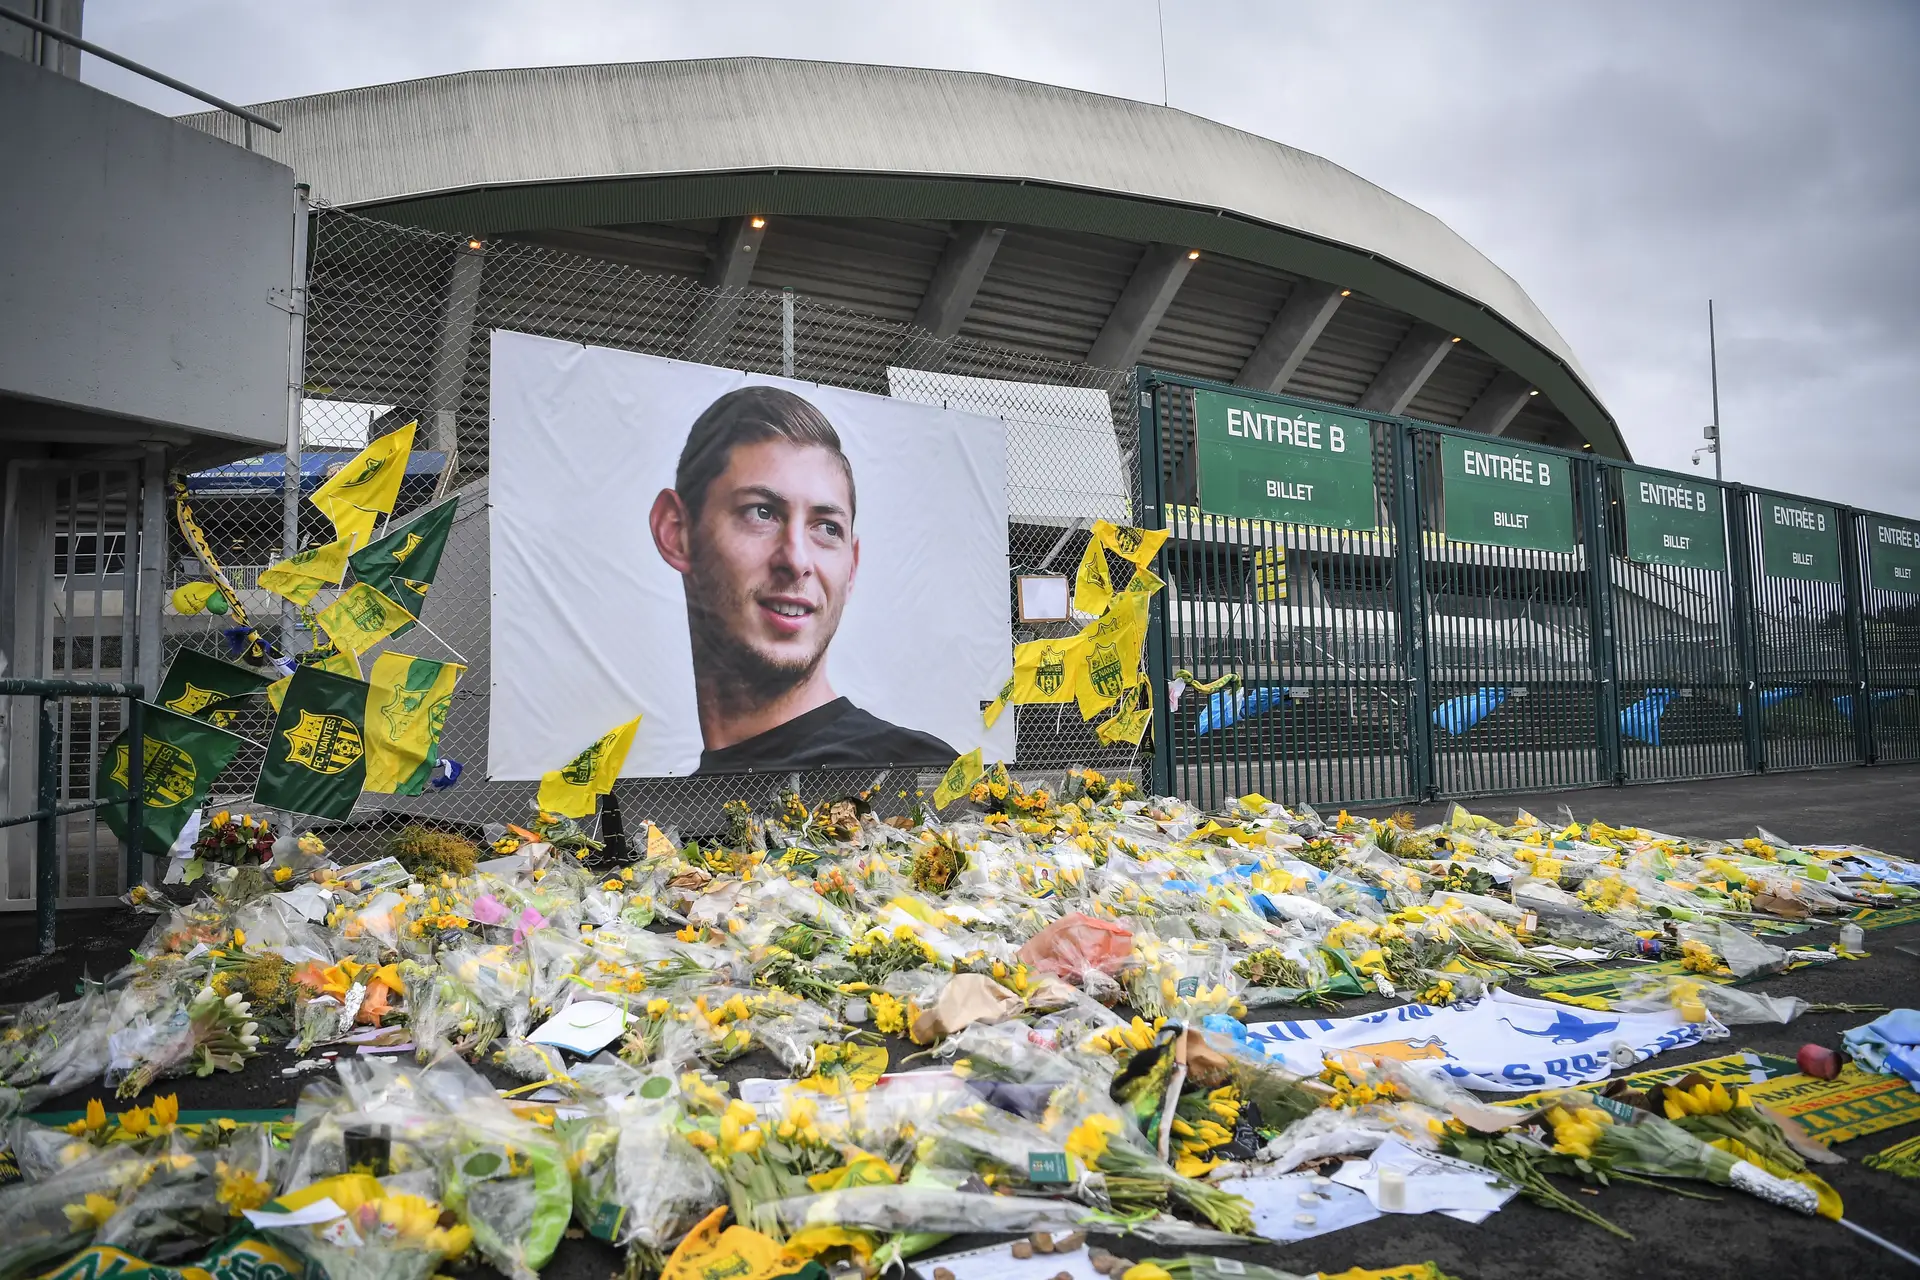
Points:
x=180 y=756
x=196 y=683
x=401 y=565
x=317 y=755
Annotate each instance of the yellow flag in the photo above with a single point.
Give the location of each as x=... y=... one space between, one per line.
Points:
x=1129 y=721
x=1043 y=670
x=1137 y=545
x=961 y=775
x=999 y=704
x=1109 y=655
x=1144 y=582
x=361 y=618
x=277 y=692
x=572 y=789
x=407 y=703
x=300 y=576
x=357 y=495
x=658 y=846
x=1092 y=584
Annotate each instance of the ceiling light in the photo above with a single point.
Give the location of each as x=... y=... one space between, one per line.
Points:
x=758 y=223
x=1192 y=254
x=1534 y=392
x=1346 y=293
x=475 y=245
x=1456 y=339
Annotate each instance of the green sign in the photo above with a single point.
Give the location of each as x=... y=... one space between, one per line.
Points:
x=1799 y=540
x=1275 y=460
x=1893 y=555
x=1674 y=521
x=1506 y=495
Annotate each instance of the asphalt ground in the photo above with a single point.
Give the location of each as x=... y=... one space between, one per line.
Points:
x=1732 y=1236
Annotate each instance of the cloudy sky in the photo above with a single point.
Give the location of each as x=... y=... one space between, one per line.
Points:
x=1623 y=160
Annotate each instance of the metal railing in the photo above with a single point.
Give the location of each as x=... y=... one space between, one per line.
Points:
x=1399 y=664
x=50 y=808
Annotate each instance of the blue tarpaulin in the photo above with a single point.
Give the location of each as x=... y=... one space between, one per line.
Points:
x=1230 y=706
x=1457 y=715
x=1642 y=719
x=1768 y=697
x=1845 y=700
x=265 y=474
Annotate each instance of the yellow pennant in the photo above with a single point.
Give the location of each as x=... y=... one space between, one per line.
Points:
x=361 y=618
x=572 y=790
x=1129 y=721
x=1109 y=655
x=961 y=775
x=1137 y=545
x=407 y=703
x=277 y=693
x=1043 y=670
x=999 y=704
x=1144 y=582
x=658 y=846
x=300 y=576
x=357 y=495
x=1092 y=584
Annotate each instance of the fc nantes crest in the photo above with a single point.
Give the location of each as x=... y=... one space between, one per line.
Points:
x=1103 y=667
x=405 y=549
x=324 y=743
x=193 y=700
x=369 y=468
x=170 y=774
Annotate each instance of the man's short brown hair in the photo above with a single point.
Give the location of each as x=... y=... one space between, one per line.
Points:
x=751 y=415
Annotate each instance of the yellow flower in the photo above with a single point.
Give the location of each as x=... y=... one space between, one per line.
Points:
x=93 y=1121
x=138 y=1122
x=239 y=1189
x=1089 y=1139
x=91 y=1213
x=1147 y=1271
x=701 y=1140
x=166 y=1112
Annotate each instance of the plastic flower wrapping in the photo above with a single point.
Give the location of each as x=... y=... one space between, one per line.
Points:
x=824 y=1036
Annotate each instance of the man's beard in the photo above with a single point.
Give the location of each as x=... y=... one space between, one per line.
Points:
x=739 y=675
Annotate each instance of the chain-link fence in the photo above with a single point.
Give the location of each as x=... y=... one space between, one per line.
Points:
x=397 y=331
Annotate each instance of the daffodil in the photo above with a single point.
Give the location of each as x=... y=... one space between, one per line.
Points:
x=91 y=1213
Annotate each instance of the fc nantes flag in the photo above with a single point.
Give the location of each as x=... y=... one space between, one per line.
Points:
x=1092 y=584
x=196 y=683
x=301 y=575
x=961 y=775
x=317 y=757
x=1109 y=654
x=407 y=703
x=402 y=564
x=1137 y=545
x=572 y=789
x=1043 y=670
x=181 y=757
x=357 y=495
x=361 y=618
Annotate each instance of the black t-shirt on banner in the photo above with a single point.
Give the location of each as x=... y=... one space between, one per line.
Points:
x=838 y=735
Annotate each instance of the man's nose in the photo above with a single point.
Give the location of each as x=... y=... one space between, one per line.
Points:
x=794 y=553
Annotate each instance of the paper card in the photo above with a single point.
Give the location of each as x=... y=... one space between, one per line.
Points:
x=321 y=1210
x=1278 y=1208
x=583 y=1027
x=1435 y=1183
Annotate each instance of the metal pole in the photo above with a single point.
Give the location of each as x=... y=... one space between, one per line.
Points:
x=1713 y=373
x=136 y=791
x=296 y=389
x=1153 y=515
x=786 y=332
x=48 y=29
x=47 y=834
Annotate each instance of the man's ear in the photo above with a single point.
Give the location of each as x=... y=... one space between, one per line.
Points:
x=855 y=572
x=672 y=530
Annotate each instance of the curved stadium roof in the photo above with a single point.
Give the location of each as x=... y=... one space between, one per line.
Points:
x=1048 y=219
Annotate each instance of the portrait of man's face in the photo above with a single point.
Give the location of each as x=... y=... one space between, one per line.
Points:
x=769 y=558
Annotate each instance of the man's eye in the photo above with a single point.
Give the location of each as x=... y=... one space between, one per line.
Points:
x=829 y=529
x=761 y=511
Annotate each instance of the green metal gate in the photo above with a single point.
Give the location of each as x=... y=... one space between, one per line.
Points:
x=1569 y=622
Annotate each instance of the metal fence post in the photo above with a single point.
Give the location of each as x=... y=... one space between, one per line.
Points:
x=296 y=393
x=1606 y=688
x=46 y=871
x=1865 y=743
x=1745 y=622
x=136 y=791
x=1410 y=589
x=786 y=333
x=1153 y=515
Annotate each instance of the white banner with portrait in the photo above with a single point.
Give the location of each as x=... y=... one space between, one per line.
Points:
x=775 y=575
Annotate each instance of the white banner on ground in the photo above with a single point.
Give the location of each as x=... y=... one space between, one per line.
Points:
x=1500 y=1043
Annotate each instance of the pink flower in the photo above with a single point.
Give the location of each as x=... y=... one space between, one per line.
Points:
x=529 y=921
x=487 y=909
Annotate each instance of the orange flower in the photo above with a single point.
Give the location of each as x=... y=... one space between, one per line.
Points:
x=375 y=1007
